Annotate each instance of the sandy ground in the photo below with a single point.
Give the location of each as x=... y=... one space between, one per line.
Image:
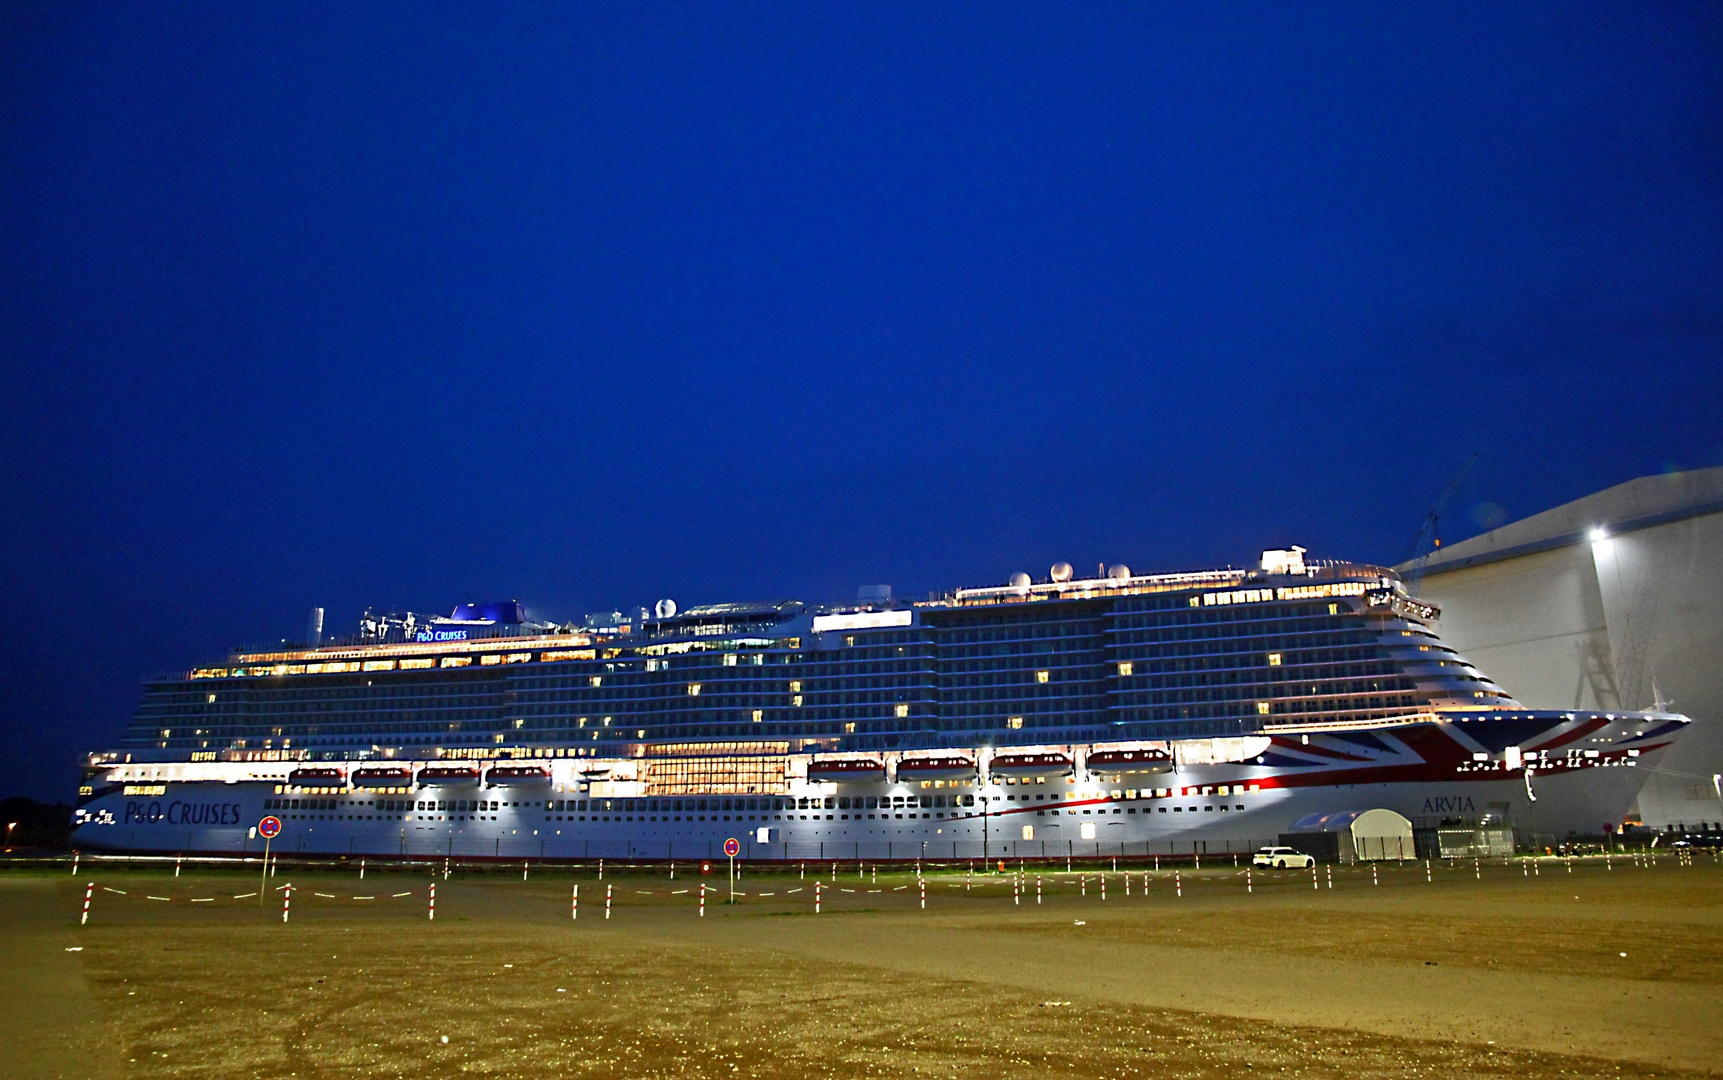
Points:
x=1510 y=976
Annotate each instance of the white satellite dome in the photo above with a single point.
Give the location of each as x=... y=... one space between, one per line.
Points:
x=1061 y=571
x=1020 y=581
x=1119 y=572
x=665 y=609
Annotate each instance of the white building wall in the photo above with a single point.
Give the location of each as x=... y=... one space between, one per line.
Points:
x=1561 y=620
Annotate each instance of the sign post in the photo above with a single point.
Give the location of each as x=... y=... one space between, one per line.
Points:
x=269 y=828
x=732 y=848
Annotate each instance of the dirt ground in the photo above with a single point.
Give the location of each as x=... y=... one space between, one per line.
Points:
x=1513 y=975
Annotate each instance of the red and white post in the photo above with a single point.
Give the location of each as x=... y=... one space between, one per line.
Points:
x=88 y=892
x=702 y=901
x=816 y=896
x=574 y=904
x=432 y=917
x=286 y=901
x=607 y=889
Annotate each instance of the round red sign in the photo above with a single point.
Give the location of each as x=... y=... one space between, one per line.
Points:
x=732 y=848
x=269 y=827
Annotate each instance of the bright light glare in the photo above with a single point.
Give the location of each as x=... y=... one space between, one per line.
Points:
x=1599 y=535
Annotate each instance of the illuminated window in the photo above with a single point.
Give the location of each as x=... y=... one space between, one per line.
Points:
x=903 y=709
x=796 y=701
x=729 y=659
x=520 y=723
x=850 y=728
x=211 y=699
x=1125 y=667
x=1014 y=723
x=759 y=715
x=596 y=680
x=795 y=686
x=693 y=689
x=607 y=721
x=1273 y=659
x=1041 y=676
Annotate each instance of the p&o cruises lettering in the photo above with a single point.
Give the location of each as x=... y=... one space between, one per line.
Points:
x=181 y=813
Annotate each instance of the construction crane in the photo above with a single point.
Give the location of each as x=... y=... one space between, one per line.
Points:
x=1429 y=538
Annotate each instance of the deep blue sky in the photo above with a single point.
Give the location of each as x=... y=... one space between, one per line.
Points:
x=409 y=306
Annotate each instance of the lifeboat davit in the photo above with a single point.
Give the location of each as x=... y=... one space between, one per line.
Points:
x=935 y=768
x=317 y=778
x=838 y=770
x=1027 y=764
x=394 y=777
x=449 y=774
x=517 y=774
x=1124 y=761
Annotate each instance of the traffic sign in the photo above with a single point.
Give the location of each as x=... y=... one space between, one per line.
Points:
x=269 y=828
x=732 y=848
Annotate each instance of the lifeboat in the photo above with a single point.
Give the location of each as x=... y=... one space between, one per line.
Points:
x=449 y=774
x=317 y=778
x=391 y=777
x=1124 y=761
x=1026 y=764
x=935 y=768
x=838 y=770
x=517 y=774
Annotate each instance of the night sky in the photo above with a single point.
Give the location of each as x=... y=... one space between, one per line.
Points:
x=418 y=305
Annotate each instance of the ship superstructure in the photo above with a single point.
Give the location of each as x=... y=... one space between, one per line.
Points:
x=1117 y=710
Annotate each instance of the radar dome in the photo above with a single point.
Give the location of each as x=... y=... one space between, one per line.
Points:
x=1119 y=572
x=1061 y=571
x=1020 y=581
x=665 y=609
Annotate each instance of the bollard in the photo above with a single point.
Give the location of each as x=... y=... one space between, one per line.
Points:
x=924 y=895
x=1037 y=888
x=176 y=865
x=1247 y=886
x=286 y=901
x=601 y=870
x=873 y=874
x=1016 y=893
x=702 y=901
x=1145 y=883
x=967 y=875
x=1067 y=864
x=1196 y=855
x=1127 y=885
x=1330 y=870
x=1103 y=887
x=835 y=871
x=1568 y=858
x=361 y=869
x=445 y=868
x=1525 y=870
x=89 y=892
x=607 y=901
x=1477 y=870
x=574 y=904
x=1178 y=885
x=1373 y=880
x=816 y=897
x=75 y=856
x=1427 y=878
x=433 y=915
x=1083 y=884
x=1115 y=864
x=1157 y=864
x=1314 y=884
x=801 y=871
x=523 y=867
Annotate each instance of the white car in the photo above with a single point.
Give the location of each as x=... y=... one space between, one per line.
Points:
x=1282 y=857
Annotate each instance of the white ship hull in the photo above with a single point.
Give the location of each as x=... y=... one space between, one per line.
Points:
x=1584 y=772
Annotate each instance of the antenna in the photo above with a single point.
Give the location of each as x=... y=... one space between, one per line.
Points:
x=1428 y=537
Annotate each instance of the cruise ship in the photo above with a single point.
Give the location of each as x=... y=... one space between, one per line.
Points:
x=1071 y=716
